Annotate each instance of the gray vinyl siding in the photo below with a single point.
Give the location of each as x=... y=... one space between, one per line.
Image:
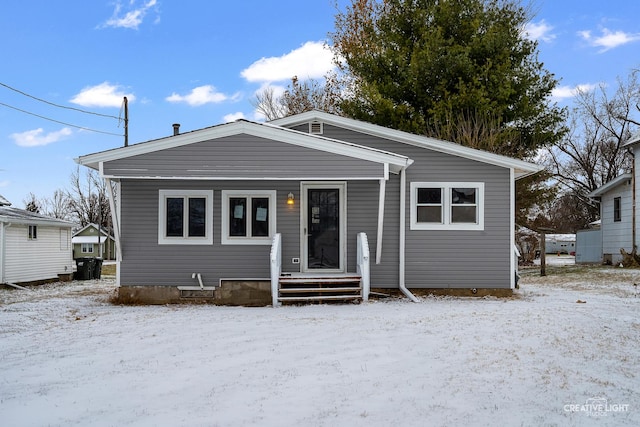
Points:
x=243 y=157
x=448 y=258
x=434 y=259
x=362 y=216
x=145 y=262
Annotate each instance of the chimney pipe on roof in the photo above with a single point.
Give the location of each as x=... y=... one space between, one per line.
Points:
x=176 y=129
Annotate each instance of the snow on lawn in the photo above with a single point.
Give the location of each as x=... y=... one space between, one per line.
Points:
x=70 y=358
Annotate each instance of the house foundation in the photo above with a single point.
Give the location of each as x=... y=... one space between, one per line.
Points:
x=232 y=292
x=454 y=292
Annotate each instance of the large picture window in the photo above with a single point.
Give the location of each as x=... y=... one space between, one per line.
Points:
x=248 y=217
x=447 y=205
x=185 y=217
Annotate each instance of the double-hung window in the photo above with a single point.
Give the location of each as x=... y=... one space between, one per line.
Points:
x=248 y=217
x=33 y=232
x=86 y=248
x=185 y=217
x=447 y=205
x=617 y=209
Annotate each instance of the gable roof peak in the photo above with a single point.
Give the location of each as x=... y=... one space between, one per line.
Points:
x=521 y=168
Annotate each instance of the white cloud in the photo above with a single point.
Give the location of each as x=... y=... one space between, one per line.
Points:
x=131 y=18
x=311 y=60
x=102 y=95
x=201 y=95
x=233 y=117
x=4 y=183
x=609 y=39
x=37 y=137
x=539 y=31
x=564 y=92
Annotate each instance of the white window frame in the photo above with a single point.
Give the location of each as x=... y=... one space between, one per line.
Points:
x=33 y=232
x=446 y=223
x=226 y=239
x=163 y=239
x=84 y=246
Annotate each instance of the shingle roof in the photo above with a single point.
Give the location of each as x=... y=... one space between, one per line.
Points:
x=21 y=216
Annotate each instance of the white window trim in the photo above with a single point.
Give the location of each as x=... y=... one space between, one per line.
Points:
x=32 y=232
x=225 y=239
x=446 y=203
x=84 y=246
x=185 y=240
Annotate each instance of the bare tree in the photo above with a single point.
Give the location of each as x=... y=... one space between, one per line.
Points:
x=592 y=153
x=88 y=198
x=57 y=206
x=267 y=104
x=301 y=96
x=32 y=204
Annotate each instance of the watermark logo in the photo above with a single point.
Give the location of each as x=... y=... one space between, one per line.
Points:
x=597 y=407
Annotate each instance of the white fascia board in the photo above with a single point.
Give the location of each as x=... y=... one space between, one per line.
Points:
x=609 y=185
x=276 y=133
x=520 y=167
x=634 y=140
x=328 y=145
x=35 y=221
x=234 y=178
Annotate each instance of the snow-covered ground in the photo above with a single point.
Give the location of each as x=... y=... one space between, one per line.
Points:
x=70 y=358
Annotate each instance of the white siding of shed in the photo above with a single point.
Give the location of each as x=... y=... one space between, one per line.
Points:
x=42 y=258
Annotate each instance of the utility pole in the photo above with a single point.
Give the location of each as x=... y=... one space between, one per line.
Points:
x=126 y=122
x=543 y=249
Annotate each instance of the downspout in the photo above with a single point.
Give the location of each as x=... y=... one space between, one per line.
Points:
x=403 y=231
x=512 y=225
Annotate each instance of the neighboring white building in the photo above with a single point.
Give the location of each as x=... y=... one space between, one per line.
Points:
x=560 y=243
x=616 y=211
x=33 y=247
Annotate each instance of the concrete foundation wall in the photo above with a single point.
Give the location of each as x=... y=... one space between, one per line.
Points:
x=248 y=293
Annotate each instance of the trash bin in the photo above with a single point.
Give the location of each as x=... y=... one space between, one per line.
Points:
x=97 y=268
x=84 y=269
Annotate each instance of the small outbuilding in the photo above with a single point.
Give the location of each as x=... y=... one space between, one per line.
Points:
x=33 y=248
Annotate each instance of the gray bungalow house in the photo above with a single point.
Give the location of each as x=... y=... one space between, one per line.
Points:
x=312 y=206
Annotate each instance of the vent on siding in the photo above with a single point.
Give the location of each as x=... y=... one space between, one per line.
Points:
x=315 y=128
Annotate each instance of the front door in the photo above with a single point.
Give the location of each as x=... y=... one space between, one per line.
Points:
x=324 y=226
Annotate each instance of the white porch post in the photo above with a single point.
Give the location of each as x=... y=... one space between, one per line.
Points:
x=383 y=186
x=115 y=220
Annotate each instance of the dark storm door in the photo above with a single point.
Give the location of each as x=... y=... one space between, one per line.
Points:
x=323 y=233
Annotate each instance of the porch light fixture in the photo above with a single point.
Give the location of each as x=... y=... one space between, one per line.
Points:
x=290 y=199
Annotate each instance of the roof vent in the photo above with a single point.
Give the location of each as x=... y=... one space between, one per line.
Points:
x=315 y=128
x=176 y=129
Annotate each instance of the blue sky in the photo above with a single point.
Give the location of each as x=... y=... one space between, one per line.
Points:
x=199 y=63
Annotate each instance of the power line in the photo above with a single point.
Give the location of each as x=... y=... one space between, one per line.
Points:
x=57 y=105
x=57 y=121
